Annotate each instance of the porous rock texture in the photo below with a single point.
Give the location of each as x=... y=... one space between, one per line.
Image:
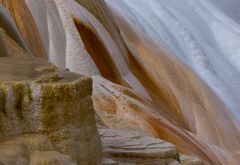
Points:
x=36 y=97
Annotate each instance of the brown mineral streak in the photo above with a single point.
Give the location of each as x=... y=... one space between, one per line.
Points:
x=12 y=49
x=98 y=52
x=181 y=97
x=26 y=25
x=100 y=10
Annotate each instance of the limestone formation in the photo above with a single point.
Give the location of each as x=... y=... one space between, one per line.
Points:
x=38 y=98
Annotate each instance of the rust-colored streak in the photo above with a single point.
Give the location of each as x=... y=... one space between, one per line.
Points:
x=182 y=98
x=152 y=88
x=100 y=10
x=98 y=52
x=26 y=25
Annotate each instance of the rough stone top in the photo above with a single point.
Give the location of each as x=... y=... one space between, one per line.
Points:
x=36 y=96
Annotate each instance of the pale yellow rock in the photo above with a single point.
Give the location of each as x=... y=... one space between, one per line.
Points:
x=38 y=98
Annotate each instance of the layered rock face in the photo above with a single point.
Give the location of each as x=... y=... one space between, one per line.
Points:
x=38 y=98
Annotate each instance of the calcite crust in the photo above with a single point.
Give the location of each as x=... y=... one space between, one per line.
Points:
x=56 y=103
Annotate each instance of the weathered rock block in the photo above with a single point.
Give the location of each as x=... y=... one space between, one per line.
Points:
x=38 y=98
